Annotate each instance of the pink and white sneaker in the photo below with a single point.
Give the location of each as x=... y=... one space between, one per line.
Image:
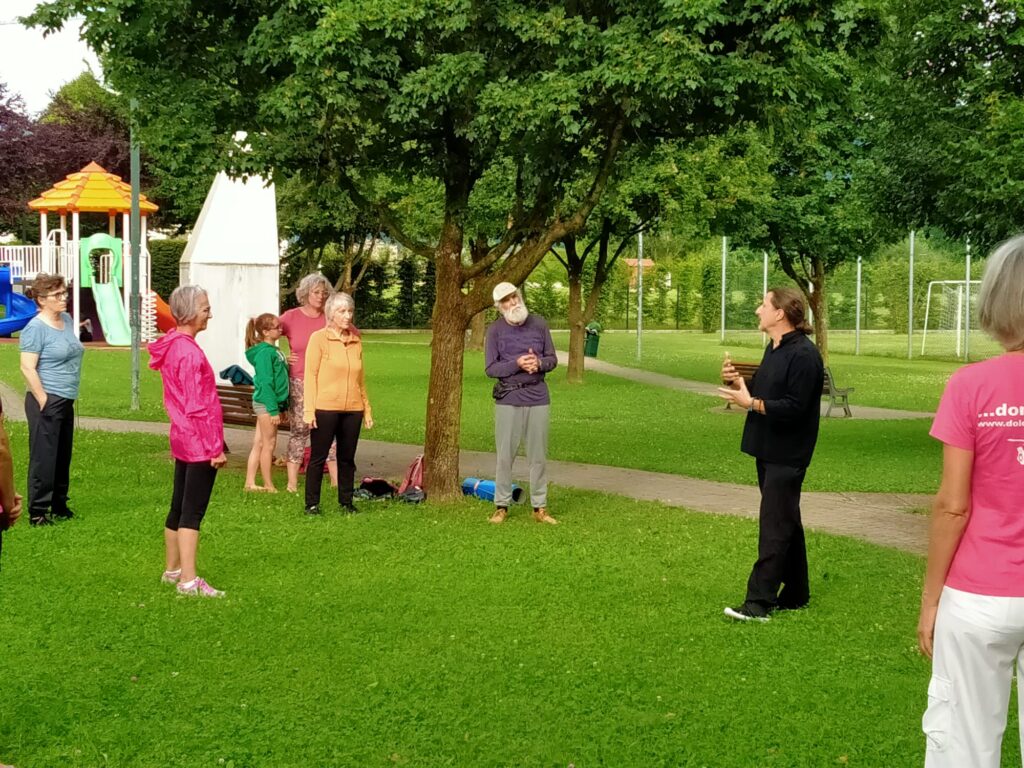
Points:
x=169 y=577
x=198 y=587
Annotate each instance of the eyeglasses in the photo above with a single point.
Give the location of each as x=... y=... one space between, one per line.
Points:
x=56 y=295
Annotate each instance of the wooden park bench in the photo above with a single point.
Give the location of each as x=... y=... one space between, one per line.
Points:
x=836 y=395
x=236 y=402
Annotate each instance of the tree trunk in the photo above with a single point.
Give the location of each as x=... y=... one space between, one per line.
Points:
x=818 y=301
x=444 y=399
x=477 y=329
x=574 y=375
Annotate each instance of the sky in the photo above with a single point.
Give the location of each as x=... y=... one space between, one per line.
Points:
x=32 y=65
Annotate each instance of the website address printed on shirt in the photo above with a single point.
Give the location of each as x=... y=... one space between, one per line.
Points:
x=1005 y=423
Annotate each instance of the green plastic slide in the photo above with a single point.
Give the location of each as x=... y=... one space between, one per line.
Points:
x=113 y=318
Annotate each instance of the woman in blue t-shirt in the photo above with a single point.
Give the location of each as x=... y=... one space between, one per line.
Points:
x=51 y=362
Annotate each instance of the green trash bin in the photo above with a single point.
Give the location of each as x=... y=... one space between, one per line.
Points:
x=592 y=340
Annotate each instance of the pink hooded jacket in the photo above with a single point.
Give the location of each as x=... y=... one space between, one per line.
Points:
x=190 y=397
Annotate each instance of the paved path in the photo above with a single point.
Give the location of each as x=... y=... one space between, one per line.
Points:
x=875 y=517
x=704 y=388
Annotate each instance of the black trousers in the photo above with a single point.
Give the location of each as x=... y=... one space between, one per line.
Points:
x=193 y=486
x=781 y=549
x=344 y=427
x=51 y=435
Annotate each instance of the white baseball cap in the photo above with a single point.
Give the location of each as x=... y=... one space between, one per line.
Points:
x=502 y=291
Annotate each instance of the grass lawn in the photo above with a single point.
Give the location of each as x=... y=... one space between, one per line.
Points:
x=883 y=381
x=422 y=636
x=605 y=421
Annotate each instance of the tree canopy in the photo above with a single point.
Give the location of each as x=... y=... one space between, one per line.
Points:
x=376 y=96
x=81 y=124
x=949 y=103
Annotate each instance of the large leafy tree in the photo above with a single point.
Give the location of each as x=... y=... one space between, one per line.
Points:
x=83 y=123
x=949 y=107
x=679 y=188
x=369 y=92
x=819 y=210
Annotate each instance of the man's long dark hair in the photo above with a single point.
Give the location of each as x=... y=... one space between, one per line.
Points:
x=791 y=302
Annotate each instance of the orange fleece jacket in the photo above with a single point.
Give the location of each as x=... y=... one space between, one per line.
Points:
x=334 y=374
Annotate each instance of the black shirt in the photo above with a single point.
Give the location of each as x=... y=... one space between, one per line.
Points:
x=789 y=381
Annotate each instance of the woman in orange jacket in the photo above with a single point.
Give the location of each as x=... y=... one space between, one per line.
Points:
x=335 y=404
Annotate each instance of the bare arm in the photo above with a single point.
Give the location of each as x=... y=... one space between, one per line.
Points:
x=950 y=513
x=29 y=364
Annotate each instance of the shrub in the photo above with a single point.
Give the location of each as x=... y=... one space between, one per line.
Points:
x=165 y=256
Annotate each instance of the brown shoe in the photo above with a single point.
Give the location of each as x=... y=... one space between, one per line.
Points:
x=540 y=514
x=499 y=515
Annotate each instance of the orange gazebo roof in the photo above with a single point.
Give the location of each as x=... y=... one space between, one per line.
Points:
x=90 y=190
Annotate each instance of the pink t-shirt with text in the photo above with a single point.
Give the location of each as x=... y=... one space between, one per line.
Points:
x=297 y=328
x=982 y=410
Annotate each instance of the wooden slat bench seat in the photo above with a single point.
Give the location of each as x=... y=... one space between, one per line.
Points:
x=837 y=396
x=236 y=402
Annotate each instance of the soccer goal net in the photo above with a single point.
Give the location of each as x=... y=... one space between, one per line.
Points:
x=950 y=313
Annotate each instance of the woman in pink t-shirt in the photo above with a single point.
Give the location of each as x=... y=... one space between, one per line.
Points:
x=297 y=325
x=972 y=607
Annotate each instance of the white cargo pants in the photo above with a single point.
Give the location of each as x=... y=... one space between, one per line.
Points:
x=977 y=640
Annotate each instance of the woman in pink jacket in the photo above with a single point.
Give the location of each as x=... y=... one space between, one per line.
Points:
x=197 y=435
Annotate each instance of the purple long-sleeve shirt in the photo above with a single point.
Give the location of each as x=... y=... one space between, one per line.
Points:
x=505 y=344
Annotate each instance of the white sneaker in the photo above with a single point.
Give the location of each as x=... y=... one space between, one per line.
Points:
x=198 y=587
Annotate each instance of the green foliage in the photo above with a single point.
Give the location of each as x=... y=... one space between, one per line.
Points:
x=86 y=104
x=407 y=276
x=711 y=295
x=382 y=97
x=948 y=109
x=165 y=258
x=934 y=259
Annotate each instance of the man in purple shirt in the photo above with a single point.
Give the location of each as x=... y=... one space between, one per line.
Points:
x=519 y=352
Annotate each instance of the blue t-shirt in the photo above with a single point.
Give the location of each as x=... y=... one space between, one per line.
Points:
x=60 y=355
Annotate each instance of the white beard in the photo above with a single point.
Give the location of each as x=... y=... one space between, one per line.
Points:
x=517 y=315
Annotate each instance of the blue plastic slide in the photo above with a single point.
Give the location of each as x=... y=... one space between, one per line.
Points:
x=19 y=310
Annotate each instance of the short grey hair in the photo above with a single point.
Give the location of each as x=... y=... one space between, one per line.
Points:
x=308 y=283
x=1001 y=300
x=336 y=301
x=184 y=303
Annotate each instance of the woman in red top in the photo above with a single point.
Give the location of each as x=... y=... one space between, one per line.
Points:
x=297 y=325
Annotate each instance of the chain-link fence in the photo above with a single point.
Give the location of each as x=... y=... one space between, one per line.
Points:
x=869 y=307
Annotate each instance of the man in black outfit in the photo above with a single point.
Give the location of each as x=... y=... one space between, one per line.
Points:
x=783 y=406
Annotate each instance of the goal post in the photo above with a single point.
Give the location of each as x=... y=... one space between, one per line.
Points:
x=946 y=313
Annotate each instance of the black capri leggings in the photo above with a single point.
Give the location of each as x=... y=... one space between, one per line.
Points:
x=193 y=484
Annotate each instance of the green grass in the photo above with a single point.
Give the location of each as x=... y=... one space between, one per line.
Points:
x=883 y=381
x=607 y=420
x=613 y=421
x=422 y=636
x=106 y=388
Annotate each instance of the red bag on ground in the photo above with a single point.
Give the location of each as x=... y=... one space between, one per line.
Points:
x=413 y=475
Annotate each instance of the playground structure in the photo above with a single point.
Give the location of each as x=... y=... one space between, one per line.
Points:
x=96 y=267
x=233 y=253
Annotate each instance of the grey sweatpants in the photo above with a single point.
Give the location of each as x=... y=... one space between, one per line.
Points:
x=511 y=424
